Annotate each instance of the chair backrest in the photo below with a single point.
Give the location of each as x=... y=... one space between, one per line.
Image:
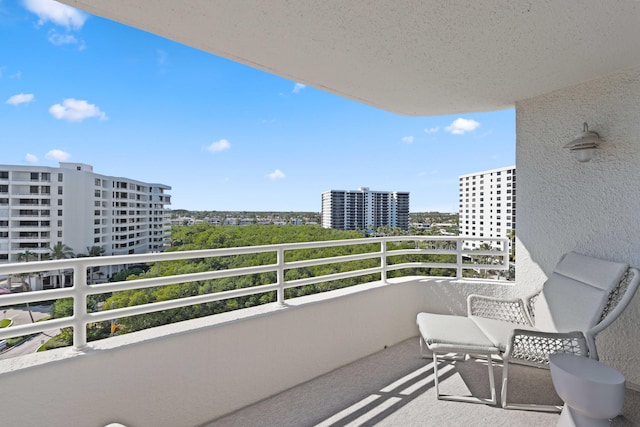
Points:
x=577 y=293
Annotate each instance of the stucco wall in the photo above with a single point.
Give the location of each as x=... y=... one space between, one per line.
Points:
x=592 y=208
x=188 y=373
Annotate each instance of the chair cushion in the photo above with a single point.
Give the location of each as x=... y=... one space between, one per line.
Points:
x=595 y=272
x=498 y=331
x=575 y=294
x=456 y=334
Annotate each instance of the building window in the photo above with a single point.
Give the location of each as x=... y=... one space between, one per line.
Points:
x=60 y=190
x=59 y=177
x=60 y=233
x=59 y=212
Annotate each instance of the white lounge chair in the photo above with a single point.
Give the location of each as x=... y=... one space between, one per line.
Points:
x=582 y=296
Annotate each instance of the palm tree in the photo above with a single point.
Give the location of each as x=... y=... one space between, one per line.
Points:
x=24 y=277
x=512 y=238
x=94 y=251
x=61 y=251
x=485 y=259
x=27 y=256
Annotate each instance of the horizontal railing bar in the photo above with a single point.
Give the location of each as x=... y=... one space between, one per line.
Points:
x=330 y=277
x=35 y=328
x=177 y=279
x=397 y=252
x=177 y=303
x=36 y=296
x=450 y=266
x=63 y=264
x=484 y=253
x=334 y=260
x=447 y=266
x=485 y=266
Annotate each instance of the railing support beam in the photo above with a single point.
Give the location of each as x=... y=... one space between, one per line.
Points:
x=280 y=275
x=80 y=308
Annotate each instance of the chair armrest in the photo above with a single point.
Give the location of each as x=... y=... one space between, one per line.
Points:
x=513 y=310
x=534 y=347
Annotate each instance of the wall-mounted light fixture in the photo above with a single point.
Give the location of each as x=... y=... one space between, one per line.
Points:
x=584 y=145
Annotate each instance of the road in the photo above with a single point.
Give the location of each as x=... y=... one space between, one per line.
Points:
x=20 y=316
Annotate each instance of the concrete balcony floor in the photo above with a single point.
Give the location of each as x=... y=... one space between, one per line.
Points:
x=394 y=387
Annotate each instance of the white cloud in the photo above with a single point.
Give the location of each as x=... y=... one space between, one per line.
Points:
x=276 y=174
x=432 y=130
x=57 y=13
x=216 y=146
x=75 y=110
x=21 y=98
x=461 y=126
x=298 y=87
x=31 y=158
x=408 y=139
x=57 y=155
x=57 y=39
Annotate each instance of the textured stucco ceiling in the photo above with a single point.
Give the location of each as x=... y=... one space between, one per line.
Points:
x=415 y=57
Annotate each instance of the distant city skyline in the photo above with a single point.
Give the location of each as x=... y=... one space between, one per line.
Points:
x=79 y=88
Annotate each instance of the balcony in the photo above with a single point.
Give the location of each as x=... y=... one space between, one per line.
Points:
x=214 y=365
x=343 y=357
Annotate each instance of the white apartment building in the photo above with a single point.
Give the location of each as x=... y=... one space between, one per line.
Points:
x=488 y=204
x=43 y=206
x=364 y=209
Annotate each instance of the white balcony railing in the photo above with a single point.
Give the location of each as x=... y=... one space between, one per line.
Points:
x=389 y=247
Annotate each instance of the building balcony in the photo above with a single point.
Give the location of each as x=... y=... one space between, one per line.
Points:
x=344 y=357
x=206 y=368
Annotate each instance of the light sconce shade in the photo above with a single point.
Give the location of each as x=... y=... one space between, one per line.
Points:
x=584 y=145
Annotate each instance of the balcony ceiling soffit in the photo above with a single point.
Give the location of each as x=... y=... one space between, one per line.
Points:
x=414 y=57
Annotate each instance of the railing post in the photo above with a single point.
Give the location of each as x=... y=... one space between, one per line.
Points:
x=383 y=259
x=280 y=275
x=80 y=307
x=459 y=258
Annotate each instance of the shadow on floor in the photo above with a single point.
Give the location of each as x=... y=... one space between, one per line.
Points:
x=395 y=387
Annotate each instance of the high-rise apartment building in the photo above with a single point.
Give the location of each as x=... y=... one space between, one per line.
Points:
x=488 y=204
x=43 y=206
x=364 y=209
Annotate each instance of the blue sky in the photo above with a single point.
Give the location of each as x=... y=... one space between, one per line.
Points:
x=79 y=88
